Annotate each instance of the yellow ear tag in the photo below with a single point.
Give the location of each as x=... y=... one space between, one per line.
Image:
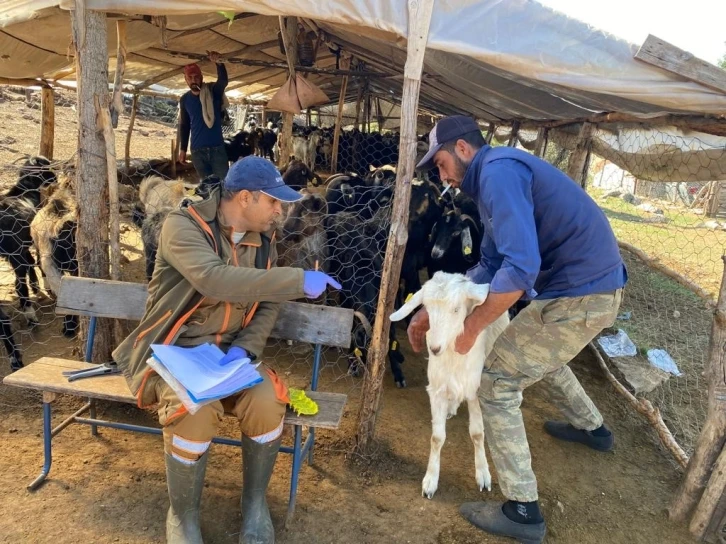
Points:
x=467 y=250
x=357 y=352
x=394 y=345
x=408 y=298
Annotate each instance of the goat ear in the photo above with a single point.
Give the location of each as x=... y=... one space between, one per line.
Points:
x=413 y=303
x=478 y=292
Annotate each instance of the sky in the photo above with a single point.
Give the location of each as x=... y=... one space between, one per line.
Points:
x=697 y=26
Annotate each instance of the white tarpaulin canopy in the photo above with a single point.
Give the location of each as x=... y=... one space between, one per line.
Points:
x=498 y=61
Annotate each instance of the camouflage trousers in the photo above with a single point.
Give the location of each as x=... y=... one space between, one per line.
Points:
x=537 y=345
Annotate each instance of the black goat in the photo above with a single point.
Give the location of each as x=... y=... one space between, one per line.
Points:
x=240 y=145
x=303 y=240
x=266 y=140
x=455 y=238
x=297 y=174
x=17 y=209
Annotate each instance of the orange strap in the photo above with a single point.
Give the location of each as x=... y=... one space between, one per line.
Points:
x=281 y=391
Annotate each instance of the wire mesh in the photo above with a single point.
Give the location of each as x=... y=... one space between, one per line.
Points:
x=662 y=194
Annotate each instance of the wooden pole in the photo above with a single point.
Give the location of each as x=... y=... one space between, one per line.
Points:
x=419 y=19
x=490 y=133
x=174 y=156
x=713 y=435
x=91 y=46
x=513 y=135
x=339 y=120
x=358 y=103
x=715 y=493
x=578 y=156
x=117 y=104
x=129 y=131
x=263 y=117
x=540 y=144
x=47 y=127
x=288 y=27
x=104 y=123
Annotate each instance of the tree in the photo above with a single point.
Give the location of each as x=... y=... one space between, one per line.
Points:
x=722 y=61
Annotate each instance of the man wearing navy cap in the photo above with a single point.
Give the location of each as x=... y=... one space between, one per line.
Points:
x=545 y=240
x=215 y=280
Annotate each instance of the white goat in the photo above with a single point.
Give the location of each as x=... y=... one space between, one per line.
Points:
x=453 y=378
x=305 y=148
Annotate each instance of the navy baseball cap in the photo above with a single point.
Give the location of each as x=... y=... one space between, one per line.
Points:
x=446 y=130
x=258 y=174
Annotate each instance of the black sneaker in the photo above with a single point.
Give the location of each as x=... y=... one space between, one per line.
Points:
x=488 y=517
x=565 y=431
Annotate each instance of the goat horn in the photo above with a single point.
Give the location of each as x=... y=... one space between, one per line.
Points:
x=364 y=321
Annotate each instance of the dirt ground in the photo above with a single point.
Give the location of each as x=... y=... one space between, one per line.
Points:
x=112 y=488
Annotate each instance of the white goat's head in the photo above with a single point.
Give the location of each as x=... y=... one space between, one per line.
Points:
x=448 y=299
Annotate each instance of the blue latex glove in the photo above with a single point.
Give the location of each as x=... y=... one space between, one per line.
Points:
x=233 y=354
x=315 y=282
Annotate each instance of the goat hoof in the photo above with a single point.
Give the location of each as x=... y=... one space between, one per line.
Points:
x=401 y=384
x=484 y=482
x=429 y=486
x=15 y=365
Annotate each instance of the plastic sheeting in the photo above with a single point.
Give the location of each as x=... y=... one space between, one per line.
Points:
x=501 y=59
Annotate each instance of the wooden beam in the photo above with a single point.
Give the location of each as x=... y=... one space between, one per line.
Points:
x=578 y=156
x=712 y=439
x=117 y=103
x=130 y=130
x=339 y=121
x=248 y=49
x=288 y=28
x=47 y=127
x=90 y=39
x=660 y=53
x=284 y=65
x=419 y=19
x=192 y=31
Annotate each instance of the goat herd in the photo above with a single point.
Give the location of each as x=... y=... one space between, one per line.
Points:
x=341 y=223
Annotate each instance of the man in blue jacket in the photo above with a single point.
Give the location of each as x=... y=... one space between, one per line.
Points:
x=545 y=240
x=200 y=115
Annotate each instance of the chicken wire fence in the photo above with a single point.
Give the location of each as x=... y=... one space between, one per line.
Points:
x=340 y=226
x=664 y=194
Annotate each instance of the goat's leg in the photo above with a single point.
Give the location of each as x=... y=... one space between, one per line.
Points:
x=439 y=407
x=476 y=431
x=8 y=339
x=20 y=267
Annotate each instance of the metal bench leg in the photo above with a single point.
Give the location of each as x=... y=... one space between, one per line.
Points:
x=311 y=437
x=92 y=415
x=296 y=463
x=47 y=437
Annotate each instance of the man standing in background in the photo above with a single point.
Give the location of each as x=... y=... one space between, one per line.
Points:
x=200 y=115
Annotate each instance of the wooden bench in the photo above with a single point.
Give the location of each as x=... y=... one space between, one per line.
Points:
x=314 y=324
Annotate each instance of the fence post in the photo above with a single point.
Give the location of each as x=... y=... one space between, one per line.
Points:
x=419 y=18
x=47 y=127
x=713 y=435
x=90 y=41
x=578 y=157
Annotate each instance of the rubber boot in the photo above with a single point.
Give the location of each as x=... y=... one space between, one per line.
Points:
x=258 y=460
x=488 y=517
x=564 y=431
x=185 y=484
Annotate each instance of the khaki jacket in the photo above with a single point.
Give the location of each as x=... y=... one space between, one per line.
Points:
x=203 y=293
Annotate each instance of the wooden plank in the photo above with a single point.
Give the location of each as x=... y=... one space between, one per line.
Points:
x=669 y=57
x=314 y=324
x=114 y=218
x=101 y=298
x=297 y=321
x=117 y=103
x=46 y=374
